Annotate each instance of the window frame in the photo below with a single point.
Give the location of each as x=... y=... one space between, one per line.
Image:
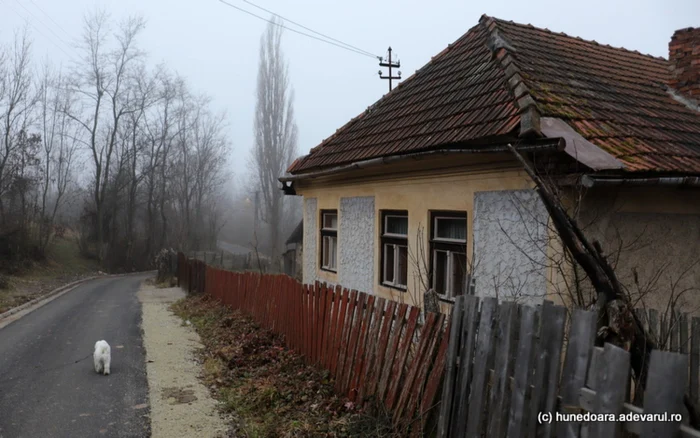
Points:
x=397 y=241
x=330 y=233
x=450 y=246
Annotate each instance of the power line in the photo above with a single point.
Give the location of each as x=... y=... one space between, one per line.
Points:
x=50 y=18
x=310 y=30
x=299 y=32
x=42 y=23
x=40 y=32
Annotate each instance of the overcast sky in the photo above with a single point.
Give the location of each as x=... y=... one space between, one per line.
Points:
x=216 y=47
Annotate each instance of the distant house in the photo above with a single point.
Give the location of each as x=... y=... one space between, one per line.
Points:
x=293 y=252
x=420 y=191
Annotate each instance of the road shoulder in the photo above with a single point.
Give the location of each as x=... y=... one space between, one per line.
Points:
x=180 y=404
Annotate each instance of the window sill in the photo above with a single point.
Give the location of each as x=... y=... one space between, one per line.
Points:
x=329 y=270
x=391 y=286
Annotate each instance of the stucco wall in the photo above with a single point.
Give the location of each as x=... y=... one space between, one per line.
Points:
x=356 y=243
x=510 y=244
x=418 y=191
x=651 y=236
x=310 y=237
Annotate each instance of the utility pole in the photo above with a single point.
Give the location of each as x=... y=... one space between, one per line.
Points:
x=391 y=65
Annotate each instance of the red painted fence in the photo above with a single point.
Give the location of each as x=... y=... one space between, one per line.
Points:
x=375 y=349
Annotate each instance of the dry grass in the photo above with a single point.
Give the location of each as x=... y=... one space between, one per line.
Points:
x=267 y=388
x=64 y=265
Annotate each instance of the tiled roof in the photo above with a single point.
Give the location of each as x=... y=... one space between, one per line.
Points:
x=488 y=83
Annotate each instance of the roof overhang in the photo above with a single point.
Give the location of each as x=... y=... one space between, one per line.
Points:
x=539 y=145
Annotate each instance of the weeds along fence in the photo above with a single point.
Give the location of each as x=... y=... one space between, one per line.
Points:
x=377 y=350
x=491 y=370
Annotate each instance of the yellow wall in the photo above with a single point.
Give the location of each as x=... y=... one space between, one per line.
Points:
x=410 y=188
x=649 y=235
x=669 y=217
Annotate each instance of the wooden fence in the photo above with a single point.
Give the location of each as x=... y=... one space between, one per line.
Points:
x=504 y=371
x=492 y=370
x=376 y=349
x=677 y=332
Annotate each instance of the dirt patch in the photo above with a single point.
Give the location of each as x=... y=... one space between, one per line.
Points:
x=268 y=389
x=180 y=404
x=178 y=396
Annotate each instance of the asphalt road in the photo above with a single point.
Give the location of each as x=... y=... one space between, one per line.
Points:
x=45 y=393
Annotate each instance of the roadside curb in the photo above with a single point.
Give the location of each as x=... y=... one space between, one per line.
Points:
x=65 y=288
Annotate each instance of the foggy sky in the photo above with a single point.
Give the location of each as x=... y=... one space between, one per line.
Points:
x=216 y=47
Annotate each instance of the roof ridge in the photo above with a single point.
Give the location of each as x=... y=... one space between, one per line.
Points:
x=505 y=55
x=578 y=38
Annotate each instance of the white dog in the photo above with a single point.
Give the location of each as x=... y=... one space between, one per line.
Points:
x=102 y=357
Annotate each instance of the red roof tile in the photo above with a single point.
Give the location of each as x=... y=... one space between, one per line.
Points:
x=481 y=84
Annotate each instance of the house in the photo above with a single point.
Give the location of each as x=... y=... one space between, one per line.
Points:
x=421 y=191
x=293 y=252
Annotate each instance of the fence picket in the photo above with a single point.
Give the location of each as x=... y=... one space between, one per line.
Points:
x=371 y=350
x=395 y=329
x=361 y=351
x=664 y=391
x=578 y=353
x=426 y=337
x=500 y=394
x=470 y=321
x=376 y=370
x=401 y=356
x=654 y=326
x=523 y=372
x=345 y=340
x=352 y=346
x=433 y=382
x=420 y=380
x=611 y=376
x=695 y=359
x=451 y=370
x=482 y=363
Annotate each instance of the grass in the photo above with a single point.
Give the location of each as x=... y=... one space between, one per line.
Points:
x=267 y=389
x=64 y=264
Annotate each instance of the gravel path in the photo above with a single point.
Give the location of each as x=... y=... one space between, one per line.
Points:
x=180 y=405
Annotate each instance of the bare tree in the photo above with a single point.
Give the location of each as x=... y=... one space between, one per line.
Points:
x=105 y=81
x=16 y=101
x=275 y=130
x=59 y=148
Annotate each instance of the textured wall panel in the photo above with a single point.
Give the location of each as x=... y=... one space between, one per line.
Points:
x=311 y=232
x=510 y=246
x=356 y=241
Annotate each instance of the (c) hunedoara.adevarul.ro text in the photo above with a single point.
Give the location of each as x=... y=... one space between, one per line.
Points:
x=548 y=417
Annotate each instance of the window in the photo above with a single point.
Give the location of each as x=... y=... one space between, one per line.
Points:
x=329 y=240
x=448 y=247
x=394 y=257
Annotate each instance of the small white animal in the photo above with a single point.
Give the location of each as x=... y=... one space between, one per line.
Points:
x=102 y=357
